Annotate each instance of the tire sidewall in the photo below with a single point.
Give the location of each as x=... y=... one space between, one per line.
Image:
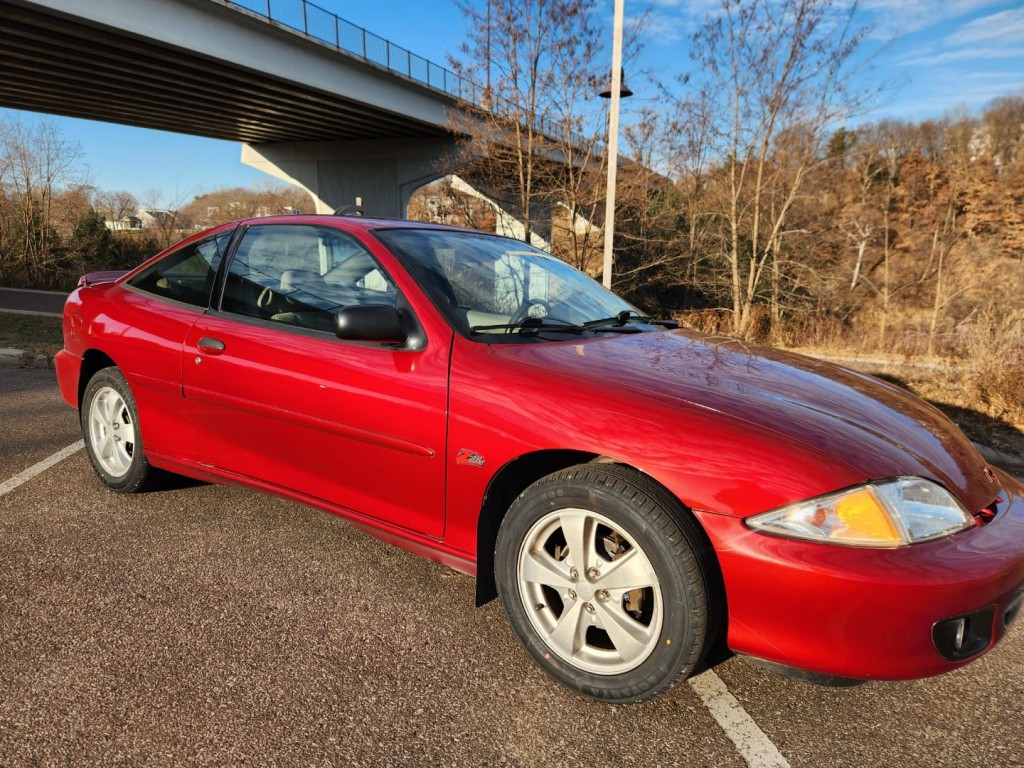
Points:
x=680 y=644
x=137 y=472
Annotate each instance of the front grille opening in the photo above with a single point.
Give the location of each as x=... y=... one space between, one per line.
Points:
x=960 y=637
x=988 y=514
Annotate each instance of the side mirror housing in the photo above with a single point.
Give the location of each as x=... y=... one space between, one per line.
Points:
x=371 y=322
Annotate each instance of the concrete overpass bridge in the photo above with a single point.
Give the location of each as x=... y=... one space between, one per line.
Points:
x=314 y=99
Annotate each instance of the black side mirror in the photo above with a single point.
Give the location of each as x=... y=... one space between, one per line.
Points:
x=371 y=322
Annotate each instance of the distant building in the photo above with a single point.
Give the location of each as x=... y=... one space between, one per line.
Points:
x=124 y=224
x=144 y=218
x=154 y=217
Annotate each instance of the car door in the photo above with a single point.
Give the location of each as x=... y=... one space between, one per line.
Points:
x=277 y=398
x=155 y=308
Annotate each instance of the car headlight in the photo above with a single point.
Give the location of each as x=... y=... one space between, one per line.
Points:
x=891 y=513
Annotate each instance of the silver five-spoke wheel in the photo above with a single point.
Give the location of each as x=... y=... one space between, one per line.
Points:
x=608 y=581
x=110 y=425
x=111 y=431
x=590 y=591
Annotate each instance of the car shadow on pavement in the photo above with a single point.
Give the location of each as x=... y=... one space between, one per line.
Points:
x=174 y=482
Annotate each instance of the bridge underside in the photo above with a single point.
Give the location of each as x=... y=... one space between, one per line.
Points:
x=327 y=120
x=64 y=64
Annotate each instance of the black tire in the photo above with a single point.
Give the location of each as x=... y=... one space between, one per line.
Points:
x=668 y=625
x=110 y=426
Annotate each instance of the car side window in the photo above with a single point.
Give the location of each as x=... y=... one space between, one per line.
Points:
x=301 y=275
x=186 y=275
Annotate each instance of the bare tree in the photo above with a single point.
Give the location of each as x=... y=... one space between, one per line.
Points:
x=650 y=243
x=115 y=205
x=862 y=175
x=36 y=163
x=886 y=292
x=531 y=133
x=776 y=73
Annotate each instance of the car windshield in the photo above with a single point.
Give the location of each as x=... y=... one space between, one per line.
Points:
x=496 y=289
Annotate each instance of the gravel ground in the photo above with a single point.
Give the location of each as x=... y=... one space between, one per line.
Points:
x=34 y=420
x=215 y=626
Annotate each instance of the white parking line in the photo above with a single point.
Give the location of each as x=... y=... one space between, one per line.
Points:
x=751 y=742
x=40 y=466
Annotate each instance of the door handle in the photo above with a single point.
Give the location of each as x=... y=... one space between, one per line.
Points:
x=215 y=345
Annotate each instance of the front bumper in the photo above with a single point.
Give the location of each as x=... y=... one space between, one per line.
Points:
x=868 y=613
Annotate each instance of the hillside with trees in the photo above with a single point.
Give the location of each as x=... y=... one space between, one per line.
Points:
x=55 y=226
x=899 y=234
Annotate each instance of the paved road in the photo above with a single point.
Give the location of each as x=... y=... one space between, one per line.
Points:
x=35 y=302
x=211 y=625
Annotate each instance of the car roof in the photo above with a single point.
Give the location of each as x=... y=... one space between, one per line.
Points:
x=355 y=223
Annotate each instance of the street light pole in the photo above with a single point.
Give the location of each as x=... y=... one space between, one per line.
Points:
x=612 y=149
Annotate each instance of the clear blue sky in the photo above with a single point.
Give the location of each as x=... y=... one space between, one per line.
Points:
x=934 y=56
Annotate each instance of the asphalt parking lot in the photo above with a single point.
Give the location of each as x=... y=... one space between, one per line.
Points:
x=215 y=626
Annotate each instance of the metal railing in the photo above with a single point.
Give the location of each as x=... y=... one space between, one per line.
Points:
x=325 y=27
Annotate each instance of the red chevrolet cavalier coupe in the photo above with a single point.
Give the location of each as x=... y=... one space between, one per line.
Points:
x=635 y=493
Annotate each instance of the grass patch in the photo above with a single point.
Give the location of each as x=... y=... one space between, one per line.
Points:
x=36 y=334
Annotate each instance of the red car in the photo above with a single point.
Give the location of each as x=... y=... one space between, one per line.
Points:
x=635 y=493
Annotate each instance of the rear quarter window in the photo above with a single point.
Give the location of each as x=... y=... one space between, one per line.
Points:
x=187 y=274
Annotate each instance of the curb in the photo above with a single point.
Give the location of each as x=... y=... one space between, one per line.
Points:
x=19 y=358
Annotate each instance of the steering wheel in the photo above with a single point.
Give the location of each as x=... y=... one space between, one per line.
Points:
x=524 y=310
x=265 y=299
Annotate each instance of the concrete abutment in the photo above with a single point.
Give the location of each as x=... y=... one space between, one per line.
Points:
x=384 y=173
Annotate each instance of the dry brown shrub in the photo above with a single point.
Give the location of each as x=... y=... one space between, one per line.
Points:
x=991 y=371
x=814 y=330
x=716 y=321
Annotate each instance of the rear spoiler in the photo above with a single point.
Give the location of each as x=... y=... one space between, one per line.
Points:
x=95 y=278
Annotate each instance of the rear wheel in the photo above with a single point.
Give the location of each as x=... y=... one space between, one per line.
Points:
x=110 y=426
x=606 y=582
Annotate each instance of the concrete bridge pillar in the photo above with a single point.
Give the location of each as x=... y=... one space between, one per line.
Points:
x=383 y=172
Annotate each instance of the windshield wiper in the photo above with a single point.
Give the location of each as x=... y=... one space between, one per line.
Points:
x=618 y=322
x=531 y=325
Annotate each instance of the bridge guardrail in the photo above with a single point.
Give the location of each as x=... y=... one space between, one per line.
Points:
x=326 y=27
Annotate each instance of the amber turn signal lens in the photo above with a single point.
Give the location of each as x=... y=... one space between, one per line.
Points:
x=865 y=517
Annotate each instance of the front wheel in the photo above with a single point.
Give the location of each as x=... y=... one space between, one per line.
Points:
x=606 y=582
x=110 y=426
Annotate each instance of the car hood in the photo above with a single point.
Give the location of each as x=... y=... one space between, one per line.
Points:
x=874 y=427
